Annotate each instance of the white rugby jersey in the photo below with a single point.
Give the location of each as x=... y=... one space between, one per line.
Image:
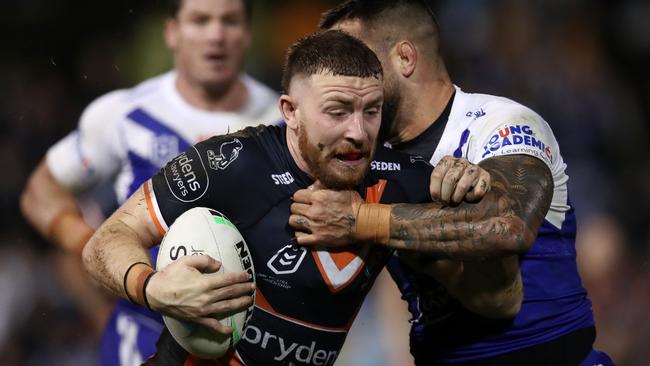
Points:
x=555 y=303
x=129 y=134
x=482 y=126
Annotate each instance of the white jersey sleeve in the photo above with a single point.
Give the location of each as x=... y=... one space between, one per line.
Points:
x=515 y=129
x=89 y=154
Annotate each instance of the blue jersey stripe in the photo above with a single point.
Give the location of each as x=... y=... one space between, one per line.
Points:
x=143 y=168
x=147 y=121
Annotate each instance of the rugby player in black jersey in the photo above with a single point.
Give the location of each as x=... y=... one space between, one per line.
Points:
x=305 y=303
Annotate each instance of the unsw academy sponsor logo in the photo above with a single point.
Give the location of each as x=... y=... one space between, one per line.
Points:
x=517 y=136
x=186 y=176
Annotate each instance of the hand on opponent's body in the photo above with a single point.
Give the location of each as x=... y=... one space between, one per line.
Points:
x=326 y=217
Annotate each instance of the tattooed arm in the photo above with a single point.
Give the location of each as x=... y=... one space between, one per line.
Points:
x=189 y=288
x=504 y=222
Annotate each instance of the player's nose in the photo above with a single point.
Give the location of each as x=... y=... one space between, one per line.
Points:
x=355 y=128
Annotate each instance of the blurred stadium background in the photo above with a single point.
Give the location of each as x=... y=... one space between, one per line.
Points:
x=583 y=65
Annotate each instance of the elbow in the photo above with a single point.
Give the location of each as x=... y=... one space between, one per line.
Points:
x=87 y=255
x=511 y=235
x=507 y=307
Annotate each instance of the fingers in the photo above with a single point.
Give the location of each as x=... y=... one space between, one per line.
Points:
x=299 y=223
x=438 y=175
x=303 y=196
x=306 y=239
x=299 y=208
x=203 y=263
x=228 y=307
x=215 y=325
x=481 y=188
x=454 y=180
x=317 y=185
x=233 y=291
x=467 y=180
x=220 y=280
x=451 y=178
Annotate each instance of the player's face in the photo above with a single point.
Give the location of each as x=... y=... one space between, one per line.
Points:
x=392 y=95
x=209 y=39
x=338 y=121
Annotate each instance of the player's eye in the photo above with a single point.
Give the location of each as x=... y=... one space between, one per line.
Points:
x=337 y=113
x=372 y=111
x=200 y=19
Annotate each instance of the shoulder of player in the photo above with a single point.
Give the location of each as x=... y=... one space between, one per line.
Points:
x=485 y=108
x=258 y=89
x=239 y=151
x=263 y=105
x=115 y=104
x=106 y=108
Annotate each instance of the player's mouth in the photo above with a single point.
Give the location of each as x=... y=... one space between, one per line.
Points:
x=216 y=58
x=351 y=157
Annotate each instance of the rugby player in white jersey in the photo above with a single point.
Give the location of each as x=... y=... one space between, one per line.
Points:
x=521 y=233
x=126 y=135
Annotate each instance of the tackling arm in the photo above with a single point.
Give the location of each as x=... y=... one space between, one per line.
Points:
x=504 y=222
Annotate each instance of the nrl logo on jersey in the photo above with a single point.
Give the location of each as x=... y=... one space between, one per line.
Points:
x=287 y=260
x=228 y=152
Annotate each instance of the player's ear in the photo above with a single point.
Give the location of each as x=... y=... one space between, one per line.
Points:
x=404 y=57
x=288 y=110
x=171 y=33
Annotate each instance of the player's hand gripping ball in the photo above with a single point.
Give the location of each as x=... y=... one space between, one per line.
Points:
x=202 y=231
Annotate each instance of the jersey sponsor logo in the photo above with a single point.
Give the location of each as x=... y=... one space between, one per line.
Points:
x=385 y=166
x=288 y=352
x=164 y=148
x=186 y=176
x=228 y=152
x=477 y=114
x=287 y=260
x=284 y=178
x=517 y=136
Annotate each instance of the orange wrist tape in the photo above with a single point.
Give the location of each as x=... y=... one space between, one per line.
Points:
x=373 y=223
x=52 y=230
x=135 y=279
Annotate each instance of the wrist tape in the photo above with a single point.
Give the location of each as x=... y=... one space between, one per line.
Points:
x=373 y=223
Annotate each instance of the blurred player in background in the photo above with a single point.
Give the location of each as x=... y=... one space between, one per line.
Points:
x=531 y=221
x=126 y=136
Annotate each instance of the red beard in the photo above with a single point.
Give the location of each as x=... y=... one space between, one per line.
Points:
x=329 y=172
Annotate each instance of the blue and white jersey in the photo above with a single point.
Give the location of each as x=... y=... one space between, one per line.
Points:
x=555 y=302
x=128 y=135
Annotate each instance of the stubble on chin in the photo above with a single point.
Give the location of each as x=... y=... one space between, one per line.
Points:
x=323 y=167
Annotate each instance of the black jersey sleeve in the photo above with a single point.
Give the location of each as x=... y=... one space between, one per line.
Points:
x=220 y=173
x=407 y=176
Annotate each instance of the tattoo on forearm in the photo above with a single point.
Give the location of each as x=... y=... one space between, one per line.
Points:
x=505 y=221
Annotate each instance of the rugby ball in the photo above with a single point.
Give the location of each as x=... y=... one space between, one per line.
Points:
x=203 y=231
